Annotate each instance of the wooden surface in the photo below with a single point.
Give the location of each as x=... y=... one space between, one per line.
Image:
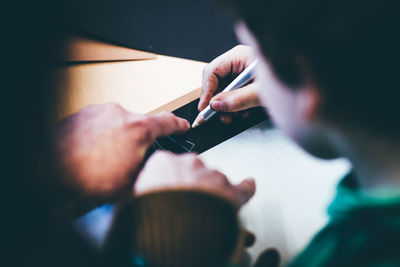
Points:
x=80 y=48
x=142 y=86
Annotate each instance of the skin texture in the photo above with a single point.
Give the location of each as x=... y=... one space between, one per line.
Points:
x=218 y=73
x=101 y=147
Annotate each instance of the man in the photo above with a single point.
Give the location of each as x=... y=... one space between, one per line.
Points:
x=317 y=58
x=329 y=78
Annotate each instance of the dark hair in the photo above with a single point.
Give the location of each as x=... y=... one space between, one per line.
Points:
x=351 y=48
x=173 y=228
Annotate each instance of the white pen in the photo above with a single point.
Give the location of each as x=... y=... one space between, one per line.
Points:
x=243 y=77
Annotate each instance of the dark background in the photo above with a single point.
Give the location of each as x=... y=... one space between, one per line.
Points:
x=193 y=29
x=189 y=29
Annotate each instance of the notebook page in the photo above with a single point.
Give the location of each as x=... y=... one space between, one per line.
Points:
x=293 y=188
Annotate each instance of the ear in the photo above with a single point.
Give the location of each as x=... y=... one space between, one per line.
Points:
x=308 y=98
x=308 y=103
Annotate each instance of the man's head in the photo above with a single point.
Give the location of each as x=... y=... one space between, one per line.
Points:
x=326 y=62
x=173 y=228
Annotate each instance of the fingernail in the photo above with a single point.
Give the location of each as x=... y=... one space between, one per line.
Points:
x=218 y=105
x=187 y=125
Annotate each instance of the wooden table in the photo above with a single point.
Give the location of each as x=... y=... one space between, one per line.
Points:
x=141 y=86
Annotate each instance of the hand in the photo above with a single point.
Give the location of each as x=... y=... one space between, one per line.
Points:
x=219 y=73
x=166 y=171
x=101 y=147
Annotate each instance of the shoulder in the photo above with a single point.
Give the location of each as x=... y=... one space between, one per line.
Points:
x=362 y=239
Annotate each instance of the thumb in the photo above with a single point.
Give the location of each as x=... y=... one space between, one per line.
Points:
x=245 y=190
x=236 y=100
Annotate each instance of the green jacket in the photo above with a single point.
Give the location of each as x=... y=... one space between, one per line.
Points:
x=364 y=230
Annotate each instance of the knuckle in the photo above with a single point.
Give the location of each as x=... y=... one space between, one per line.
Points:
x=207 y=71
x=144 y=123
x=166 y=115
x=219 y=69
x=143 y=127
x=114 y=108
x=237 y=103
x=192 y=159
x=222 y=96
x=219 y=177
x=171 y=116
x=136 y=122
x=197 y=162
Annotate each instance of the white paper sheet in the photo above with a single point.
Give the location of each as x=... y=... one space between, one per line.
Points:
x=293 y=188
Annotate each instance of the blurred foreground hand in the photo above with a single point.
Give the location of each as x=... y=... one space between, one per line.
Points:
x=101 y=147
x=165 y=171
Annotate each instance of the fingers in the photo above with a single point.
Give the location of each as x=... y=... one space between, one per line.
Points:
x=188 y=171
x=148 y=128
x=166 y=171
x=237 y=100
x=230 y=63
x=245 y=190
x=166 y=123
